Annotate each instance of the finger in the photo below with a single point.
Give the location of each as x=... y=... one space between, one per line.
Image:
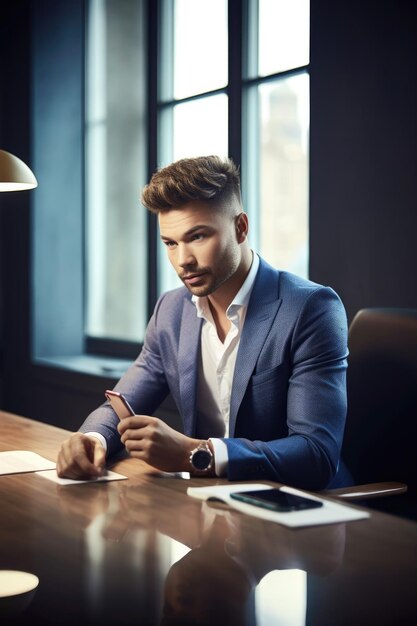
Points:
x=59 y=467
x=84 y=454
x=66 y=467
x=138 y=435
x=64 y=461
x=135 y=445
x=99 y=459
x=134 y=422
x=76 y=458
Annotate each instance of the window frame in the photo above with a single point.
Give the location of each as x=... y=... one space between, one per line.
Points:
x=242 y=59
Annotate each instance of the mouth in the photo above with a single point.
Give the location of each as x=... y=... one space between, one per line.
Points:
x=192 y=279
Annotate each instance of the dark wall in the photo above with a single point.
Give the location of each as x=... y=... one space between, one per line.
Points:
x=363 y=183
x=364 y=151
x=53 y=395
x=15 y=213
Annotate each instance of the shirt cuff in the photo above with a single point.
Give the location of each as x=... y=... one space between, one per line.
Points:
x=98 y=436
x=221 y=457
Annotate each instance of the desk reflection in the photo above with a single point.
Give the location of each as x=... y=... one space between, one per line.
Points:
x=131 y=532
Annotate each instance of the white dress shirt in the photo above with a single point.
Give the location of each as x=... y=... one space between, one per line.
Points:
x=217 y=366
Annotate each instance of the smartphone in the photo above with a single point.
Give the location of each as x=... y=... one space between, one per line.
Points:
x=276 y=500
x=119 y=404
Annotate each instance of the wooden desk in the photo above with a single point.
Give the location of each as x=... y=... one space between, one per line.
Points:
x=133 y=551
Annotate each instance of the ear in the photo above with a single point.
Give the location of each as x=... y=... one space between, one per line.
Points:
x=242 y=227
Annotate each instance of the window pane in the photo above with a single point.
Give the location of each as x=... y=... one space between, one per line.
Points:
x=199 y=46
x=280 y=161
x=283 y=35
x=116 y=233
x=198 y=128
x=193 y=129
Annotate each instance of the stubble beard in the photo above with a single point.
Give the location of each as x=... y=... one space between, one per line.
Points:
x=206 y=290
x=230 y=261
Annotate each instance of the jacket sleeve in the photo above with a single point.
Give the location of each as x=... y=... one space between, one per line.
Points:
x=308 y=457
x=144 y=385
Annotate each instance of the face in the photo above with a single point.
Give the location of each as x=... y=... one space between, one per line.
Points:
x=204 y=245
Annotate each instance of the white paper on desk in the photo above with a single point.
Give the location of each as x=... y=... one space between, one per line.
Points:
x=53 y=476
x=20 y=461
x=329 y=513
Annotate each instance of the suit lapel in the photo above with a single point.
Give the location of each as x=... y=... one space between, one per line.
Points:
x=188 y=356
x=263 y=307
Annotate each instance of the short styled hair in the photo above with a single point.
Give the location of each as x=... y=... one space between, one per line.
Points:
x=208 y=178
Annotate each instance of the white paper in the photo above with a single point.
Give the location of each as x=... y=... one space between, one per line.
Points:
x=53 y=476
x=20 y=461
x=329 y=513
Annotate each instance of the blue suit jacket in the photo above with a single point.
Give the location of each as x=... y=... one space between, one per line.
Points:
x=288 y=403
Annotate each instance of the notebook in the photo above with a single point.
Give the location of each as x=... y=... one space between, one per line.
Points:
x=330 y=513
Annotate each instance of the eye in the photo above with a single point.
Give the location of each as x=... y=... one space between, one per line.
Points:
x=170 y=244
x=197 y=237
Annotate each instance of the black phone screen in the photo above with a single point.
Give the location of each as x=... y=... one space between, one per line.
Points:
x=276 y=500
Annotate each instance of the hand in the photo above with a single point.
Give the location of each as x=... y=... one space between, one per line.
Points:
x=81 y=456
x=152 y=440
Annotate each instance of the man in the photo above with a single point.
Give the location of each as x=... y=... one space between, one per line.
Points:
x=254 y=358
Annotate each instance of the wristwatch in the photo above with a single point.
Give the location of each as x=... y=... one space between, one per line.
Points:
x=201 y=458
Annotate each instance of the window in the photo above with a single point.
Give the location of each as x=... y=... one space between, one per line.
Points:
x=275 y=131
x=192 y=98
x=223 y=77
x=116 y=170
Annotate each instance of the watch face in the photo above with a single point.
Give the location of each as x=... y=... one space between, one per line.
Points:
x=201 y=459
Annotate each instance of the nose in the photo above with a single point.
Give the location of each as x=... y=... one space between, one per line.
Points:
x=185 y=256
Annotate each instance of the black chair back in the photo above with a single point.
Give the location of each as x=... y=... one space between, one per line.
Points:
x=381 y=430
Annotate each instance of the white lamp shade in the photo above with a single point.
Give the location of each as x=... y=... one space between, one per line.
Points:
x=14 y=174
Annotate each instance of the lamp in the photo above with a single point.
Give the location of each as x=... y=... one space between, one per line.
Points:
x=14 y=174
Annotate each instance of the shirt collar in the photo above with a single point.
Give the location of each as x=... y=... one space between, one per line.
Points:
x=242 y=297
